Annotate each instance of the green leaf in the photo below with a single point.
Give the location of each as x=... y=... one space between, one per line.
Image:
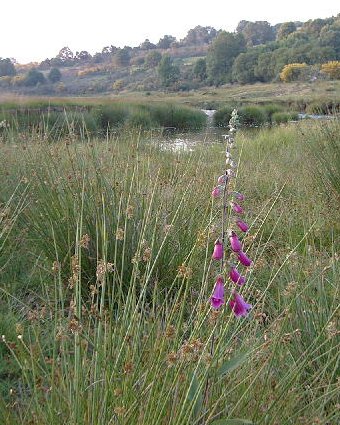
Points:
x=195 y=393
x=232 y=422
x=232 y=364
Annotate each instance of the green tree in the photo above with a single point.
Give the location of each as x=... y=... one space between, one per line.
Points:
x=243 y=70
x=122 y=56
x=255 y=33
x=167 y=71
x=54 y=75
x=221 y=55
x=34 y=78
x=166 y=41
x=152 y=59
x=7 y=68
x=330 y=37
x=199 y=35
x=285 y=29
x=264 y=70
x=65 y=57
x=147 y=45
x=200 y=69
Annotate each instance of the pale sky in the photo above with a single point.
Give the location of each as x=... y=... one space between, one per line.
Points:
x=32 y=30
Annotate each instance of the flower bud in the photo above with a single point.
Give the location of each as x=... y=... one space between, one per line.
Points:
x=236 y=277
x=234 y=242
x=222 y=179
x=242 y=225
x=216 y=193
x=239 y=196
x=237 y=208
x=218 y=251
x=243 y=259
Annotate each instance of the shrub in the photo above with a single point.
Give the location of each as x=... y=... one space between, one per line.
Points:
x=293 y=72
x=222 y=116
x=140 y=118
x=331 y=69
x=283 y=117
x=252 y=116
x=322 y=108
x=113 y=115
x=271 y=109
x=54 y=75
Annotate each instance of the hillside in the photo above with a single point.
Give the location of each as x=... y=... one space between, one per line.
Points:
x=255 y=52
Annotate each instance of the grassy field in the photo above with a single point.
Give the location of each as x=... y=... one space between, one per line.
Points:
x=289 y=94
x=106 y=274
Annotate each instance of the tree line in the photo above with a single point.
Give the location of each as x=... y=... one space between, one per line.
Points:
x=254 y=52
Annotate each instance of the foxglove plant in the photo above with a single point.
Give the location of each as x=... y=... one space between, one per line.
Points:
x=231 y=209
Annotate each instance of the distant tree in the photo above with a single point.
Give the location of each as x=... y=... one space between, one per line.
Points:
x=54 y=75
x=167 y=71
x=296 y=39
x=83 y=56
x=109 y=50
x=147 y=45
x=65 y=56
x=330 y=37
x=97 y=58
x=285 y=29
x=279 y=58
x=34 y=77
x=166 y=41
x=152 y=59
x=314 y=26
x=241 y=25
x=122 y=56
x=199 y=35
x=7 y=68
x=221 y=55
x=45 y=64
x=264 y=69
x=200 y=69
x=243 y=70
x=259 y=32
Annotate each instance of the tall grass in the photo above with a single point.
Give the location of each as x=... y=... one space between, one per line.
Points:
x=56 y=123
x=112 y=324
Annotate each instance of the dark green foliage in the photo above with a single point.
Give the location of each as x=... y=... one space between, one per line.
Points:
x=243 y=70
x=199 y=35
x=34 y=77
x=54 y=75
x=271 y=109
x=284 y=117
x=152 y=59
x=200 y=69
x=122 y=57
x=264 y=68
x=6 y=67
x=111 y=116
x=222 y=116
x=166 y=41
x=221 y=55
x=285 y=29
x=255 y=33
x=252 y=116
x=103 y=119
x=167 y=71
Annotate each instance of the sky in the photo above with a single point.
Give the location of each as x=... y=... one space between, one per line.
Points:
x=33 y=30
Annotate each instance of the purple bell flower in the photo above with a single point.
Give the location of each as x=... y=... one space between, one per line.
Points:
x=239 y=306
x=217 y=298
